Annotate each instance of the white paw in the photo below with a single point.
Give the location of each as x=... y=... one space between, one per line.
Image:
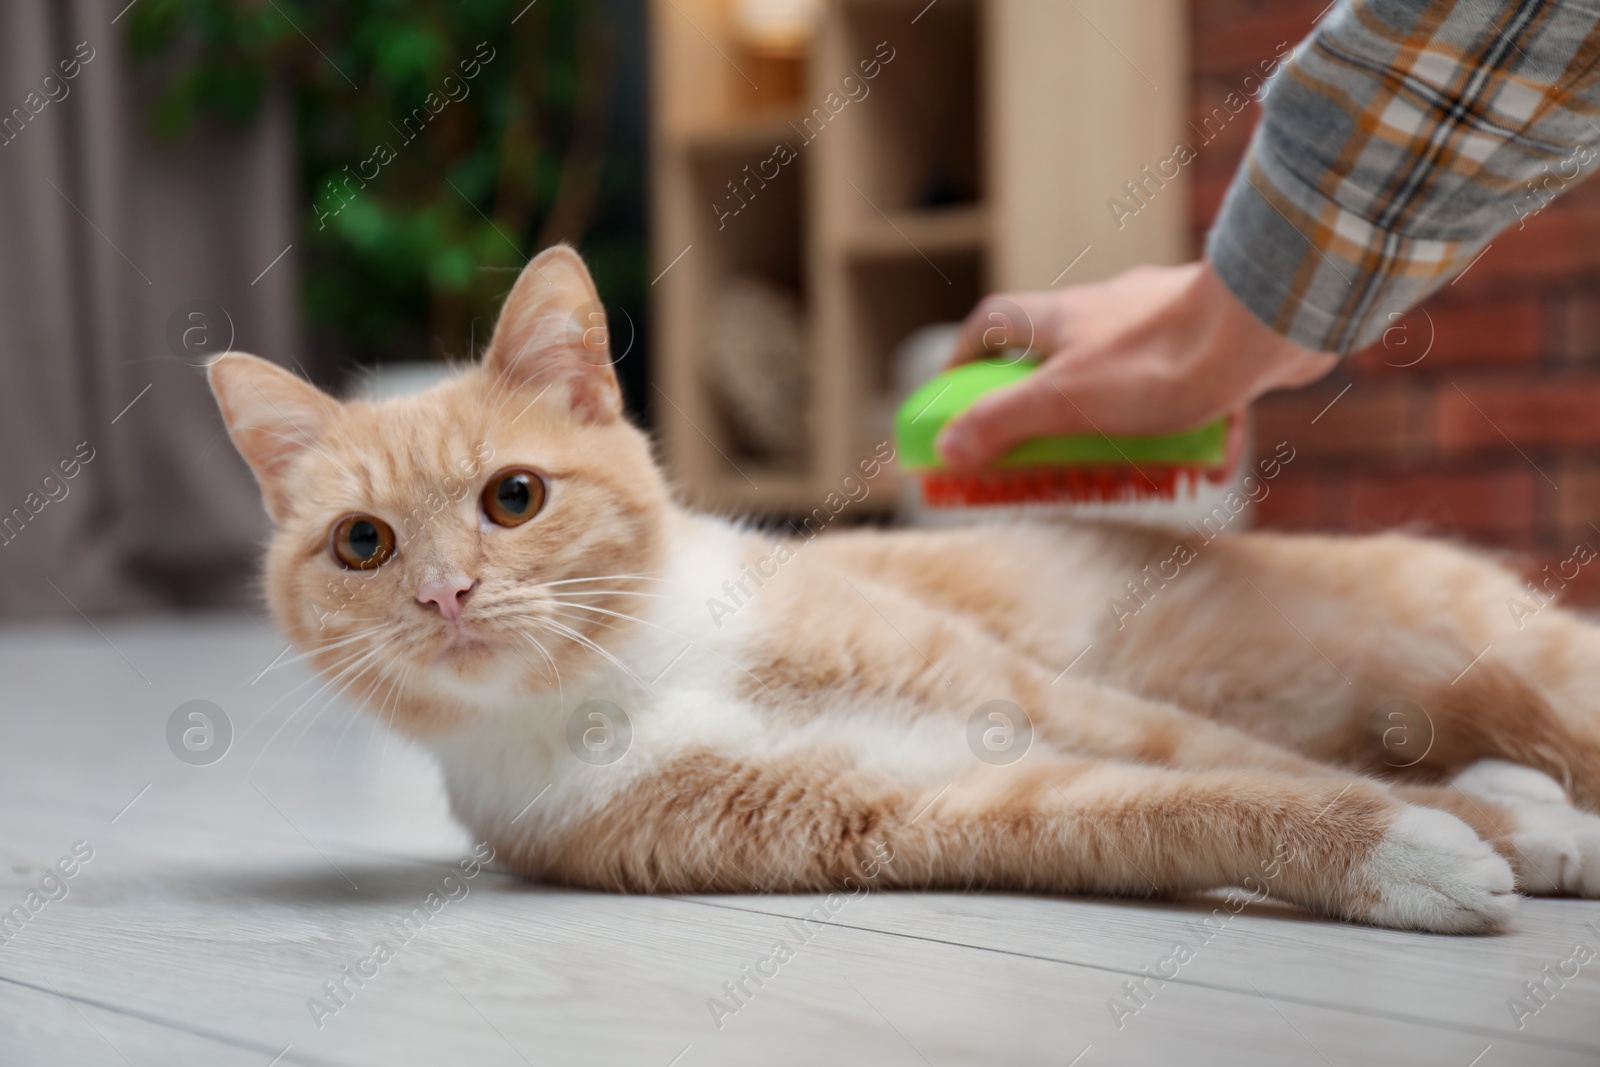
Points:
x=1432 y=872
x=1558 y=846
x=1500 y=780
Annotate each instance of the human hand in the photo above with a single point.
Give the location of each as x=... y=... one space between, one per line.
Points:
x=1154 y=350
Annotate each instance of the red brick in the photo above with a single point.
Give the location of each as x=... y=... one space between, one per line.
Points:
x=1529 y=414
x=1219 y=166
x=1222 y=143
x=1296 y=502
x=1385 y=423
x=1495 y=506
x=1444 y=335
x=1578 y=502
x=1236 y=44
x=1577 y=329
x=1584 y=591
x=1208 y=195
x=1585 y=195
x=1561 y=243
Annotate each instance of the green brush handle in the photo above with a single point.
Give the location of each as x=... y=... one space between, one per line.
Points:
x=930 y=408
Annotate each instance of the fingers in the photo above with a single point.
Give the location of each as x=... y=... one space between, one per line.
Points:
x=1010 y=321
x=1005 y=418
x=1238 y=432
x=1150 y=351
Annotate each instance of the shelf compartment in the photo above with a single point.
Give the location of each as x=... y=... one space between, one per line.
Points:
x=915 y=140
x=754 y=136
x=888 y=301
x=919 y=233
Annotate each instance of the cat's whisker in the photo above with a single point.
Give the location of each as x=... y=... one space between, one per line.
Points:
x=387 y=728
x=585 y=641
x=606 y=578
x=495 y=616
x=394 y=713
x=608 y=592
x=393 y=692
x=618 y=615
x=666 y=630
x=580 y=620
x=356 y=661
x=568 y=632
x=337 y=681
x=352 y=721
x=327 y=647
x=503 y=631
x=309 y=679
x=539 y=646
x=311 y=720
x=270 y=708
x=359 y=703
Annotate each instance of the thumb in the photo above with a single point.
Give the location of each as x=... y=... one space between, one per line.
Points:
x=1033 y=407
x=1238 y=436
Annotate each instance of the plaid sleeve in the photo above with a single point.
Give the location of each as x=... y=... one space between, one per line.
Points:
x=1395 y=143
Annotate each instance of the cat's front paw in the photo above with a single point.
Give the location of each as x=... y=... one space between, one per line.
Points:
x=1432 y=872
x=1557 y=847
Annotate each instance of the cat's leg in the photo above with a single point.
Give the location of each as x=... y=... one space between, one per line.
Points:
x=1089 y=718
x=1553 y=847
x=818 y=821
x=971 y=665
x=1524 y=814
x=1557 y=654
x=1075 y=716
x=1528 y=817
x=1390 y=654
x=1402 y=658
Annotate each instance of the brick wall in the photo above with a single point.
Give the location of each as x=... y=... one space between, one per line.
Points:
x=1493 y=435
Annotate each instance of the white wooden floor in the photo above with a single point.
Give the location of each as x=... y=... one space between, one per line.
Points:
x=220 y=898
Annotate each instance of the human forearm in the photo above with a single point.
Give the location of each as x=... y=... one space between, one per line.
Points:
x=1399 y=139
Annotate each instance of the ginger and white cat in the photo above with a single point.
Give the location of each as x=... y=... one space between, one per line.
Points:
x=497 y=568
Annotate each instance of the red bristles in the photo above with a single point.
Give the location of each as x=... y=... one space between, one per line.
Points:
x=1057 y=485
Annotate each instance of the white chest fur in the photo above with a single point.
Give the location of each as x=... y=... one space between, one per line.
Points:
x=542 y=758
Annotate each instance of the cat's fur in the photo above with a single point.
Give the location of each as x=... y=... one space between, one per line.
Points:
x=817 y=738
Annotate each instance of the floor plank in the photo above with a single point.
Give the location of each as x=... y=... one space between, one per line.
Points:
x=220 y=898
x=1461 y=984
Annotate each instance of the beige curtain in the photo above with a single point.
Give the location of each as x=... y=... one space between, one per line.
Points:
x=105 y=234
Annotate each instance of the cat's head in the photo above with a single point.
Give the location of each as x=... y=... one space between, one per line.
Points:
x=443 y=553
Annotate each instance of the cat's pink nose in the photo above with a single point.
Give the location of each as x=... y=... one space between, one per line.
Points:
x=449 y=595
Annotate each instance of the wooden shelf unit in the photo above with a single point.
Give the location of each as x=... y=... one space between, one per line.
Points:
x=981 y=158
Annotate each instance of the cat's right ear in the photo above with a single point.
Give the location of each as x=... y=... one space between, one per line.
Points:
x=552 y=334
x=272 y=417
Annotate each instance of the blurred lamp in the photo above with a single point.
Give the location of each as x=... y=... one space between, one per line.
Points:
x=777 y=27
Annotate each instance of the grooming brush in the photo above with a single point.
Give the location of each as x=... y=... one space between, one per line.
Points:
x=1072 y=468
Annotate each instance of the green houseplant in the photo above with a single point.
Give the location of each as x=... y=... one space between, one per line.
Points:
x=440 y=144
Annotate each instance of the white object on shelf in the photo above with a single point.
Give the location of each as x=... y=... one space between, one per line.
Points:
x=755 y=368
x=779 y=26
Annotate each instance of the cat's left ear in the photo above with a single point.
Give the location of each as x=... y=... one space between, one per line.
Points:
x=273 y=418
x=552 y=334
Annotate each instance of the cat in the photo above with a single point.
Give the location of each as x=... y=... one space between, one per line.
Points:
x=498 y=568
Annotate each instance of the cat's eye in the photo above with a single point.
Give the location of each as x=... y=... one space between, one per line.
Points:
x=362 y=542
x=513 y=496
